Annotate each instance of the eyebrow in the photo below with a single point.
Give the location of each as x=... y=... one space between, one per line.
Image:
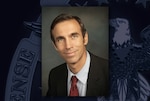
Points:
x=74 y=33
x=61 y=37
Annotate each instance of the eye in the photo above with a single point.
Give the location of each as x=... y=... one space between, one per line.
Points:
x=74 y=36
x=60 y=39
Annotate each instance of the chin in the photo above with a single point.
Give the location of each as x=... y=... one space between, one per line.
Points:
x=71 y=61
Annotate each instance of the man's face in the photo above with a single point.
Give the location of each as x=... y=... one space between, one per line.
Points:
x=69 y=41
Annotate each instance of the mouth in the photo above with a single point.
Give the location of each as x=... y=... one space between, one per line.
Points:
x=70 y=54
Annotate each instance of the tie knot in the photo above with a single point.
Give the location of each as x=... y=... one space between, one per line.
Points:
x=74 y=79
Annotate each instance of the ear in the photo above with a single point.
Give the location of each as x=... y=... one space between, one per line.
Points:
x=54 y=46
x=85 y=39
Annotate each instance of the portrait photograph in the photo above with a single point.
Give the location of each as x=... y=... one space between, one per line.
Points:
x=75 y=44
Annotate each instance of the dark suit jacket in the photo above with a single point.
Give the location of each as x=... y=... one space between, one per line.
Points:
x=97 y=82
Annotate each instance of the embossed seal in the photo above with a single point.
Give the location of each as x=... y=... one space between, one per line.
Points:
x=23 y=65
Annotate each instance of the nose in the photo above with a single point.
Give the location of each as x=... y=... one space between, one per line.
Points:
x=68 y=44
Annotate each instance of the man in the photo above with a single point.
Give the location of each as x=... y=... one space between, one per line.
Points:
x=70 y=38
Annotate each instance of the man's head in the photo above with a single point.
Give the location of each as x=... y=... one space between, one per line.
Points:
x=65 y=17
x=69 y=38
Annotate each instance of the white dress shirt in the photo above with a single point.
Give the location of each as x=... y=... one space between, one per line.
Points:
x=82 y=76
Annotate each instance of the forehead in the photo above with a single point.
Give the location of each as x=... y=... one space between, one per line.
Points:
x=67 y=26
x=68 y=22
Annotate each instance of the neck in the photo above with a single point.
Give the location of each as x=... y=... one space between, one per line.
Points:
x=76 y=67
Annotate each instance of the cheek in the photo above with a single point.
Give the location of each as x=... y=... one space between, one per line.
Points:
x=79 y=43
x=59 y=48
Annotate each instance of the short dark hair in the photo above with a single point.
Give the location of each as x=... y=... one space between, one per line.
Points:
x=64 y=17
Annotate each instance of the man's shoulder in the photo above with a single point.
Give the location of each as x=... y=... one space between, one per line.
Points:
x=58 y=73
x=99 y=65
x=59 y=68
x=98 y=59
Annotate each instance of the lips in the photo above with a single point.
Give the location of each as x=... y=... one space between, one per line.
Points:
x=69 y=54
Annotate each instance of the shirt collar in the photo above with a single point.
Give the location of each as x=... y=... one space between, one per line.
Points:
x=83 y=73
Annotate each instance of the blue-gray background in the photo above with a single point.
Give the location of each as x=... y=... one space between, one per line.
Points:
x=96 y=23
x=14 y=13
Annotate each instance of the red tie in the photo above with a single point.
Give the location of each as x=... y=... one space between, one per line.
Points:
x=74 y=89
